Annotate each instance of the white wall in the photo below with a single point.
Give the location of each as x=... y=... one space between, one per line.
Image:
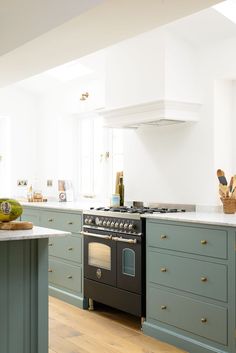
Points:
x=21 y=109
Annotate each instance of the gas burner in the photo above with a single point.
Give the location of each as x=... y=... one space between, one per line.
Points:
x=139 y=210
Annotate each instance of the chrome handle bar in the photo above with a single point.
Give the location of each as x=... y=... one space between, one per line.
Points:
x=123 y=240
x=96 y=235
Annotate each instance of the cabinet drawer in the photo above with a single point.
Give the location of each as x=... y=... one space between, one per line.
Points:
x=64 y=221
x=202 y=241
x=203 y=319
x=198 y=277
x=65 y=275
x=69 y=248
x=31 y=216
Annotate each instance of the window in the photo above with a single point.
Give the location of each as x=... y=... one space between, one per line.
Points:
x=101 y=156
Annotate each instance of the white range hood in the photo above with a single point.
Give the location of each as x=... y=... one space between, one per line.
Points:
x=156 y=113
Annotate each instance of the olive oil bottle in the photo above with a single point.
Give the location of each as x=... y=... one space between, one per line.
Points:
x=121 y=191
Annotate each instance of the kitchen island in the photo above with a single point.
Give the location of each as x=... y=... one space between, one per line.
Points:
x=24 y=290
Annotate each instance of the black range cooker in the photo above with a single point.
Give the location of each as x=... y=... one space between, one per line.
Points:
x=114 y=256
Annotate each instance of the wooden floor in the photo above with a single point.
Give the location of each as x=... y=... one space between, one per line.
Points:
x=72 y=330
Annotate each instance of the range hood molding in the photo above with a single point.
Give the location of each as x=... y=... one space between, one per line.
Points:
x=155 y=113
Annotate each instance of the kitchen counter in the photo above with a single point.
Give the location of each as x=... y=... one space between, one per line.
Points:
x=24 y=290
x=35 y=233
x=67 y=206
x=214 y=218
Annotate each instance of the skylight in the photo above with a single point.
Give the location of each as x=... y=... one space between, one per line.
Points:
x=227 y=9
x=69 y=71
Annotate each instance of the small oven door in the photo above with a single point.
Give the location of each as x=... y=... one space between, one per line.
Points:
x=129 y=274
x=99 y=257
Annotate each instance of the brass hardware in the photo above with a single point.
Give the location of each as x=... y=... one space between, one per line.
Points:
x=99 y=273
x=163 y=307
x=50 y=220
x=49 y=270
x=69 y=277
x=50 y=244
x=204 y=279
x=70 y=249
x=163 y=236
x=203 y=320
x=163 y=269
x=70 y=223
x=84 y=96
x=203 y=242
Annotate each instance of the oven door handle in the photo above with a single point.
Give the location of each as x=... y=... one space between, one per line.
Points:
x=96 y=235
x=123 y=240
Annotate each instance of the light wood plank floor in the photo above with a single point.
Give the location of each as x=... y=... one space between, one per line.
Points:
x=72 y=330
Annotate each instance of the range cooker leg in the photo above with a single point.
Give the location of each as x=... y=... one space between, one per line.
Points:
x=90 y=304
x=142 y=321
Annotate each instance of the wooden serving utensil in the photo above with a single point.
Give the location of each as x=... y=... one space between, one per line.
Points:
x=221 y=177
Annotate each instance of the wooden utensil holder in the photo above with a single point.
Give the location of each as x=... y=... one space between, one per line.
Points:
x=229 y=205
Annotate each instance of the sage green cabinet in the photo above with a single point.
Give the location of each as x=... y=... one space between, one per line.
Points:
x=65 y=254
x=191 y=285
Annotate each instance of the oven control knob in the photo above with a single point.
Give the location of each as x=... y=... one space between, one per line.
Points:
x=86 y=221
x=90 y=221
x=112 y=224
x=131 y=226
x=108 y=223
x=98 y=222
x=104 y=223
x=116 y=225
x=126 y=225
x=121 y=225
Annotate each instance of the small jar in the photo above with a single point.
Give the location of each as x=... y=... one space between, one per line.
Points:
x=115 y=200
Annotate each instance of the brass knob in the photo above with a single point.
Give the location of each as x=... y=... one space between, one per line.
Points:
x=203 y=242
x=163 y=307
x=70 y=223
x=204 y=279
x=163 y=236
x=203 y=320
x=69 y=277
x=70 y=249
x=50 y=220
x=50 y=244
x=163 y=269
x=49 y=270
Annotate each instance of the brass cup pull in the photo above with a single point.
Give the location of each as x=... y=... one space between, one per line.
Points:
x=163 y=236
x=163 y=307
x=50 y=220
x=163 y=269
x=203 y=242
x=203 y=320
x=69 y=277
x=204 y=279
x=69 y=249
x=50 y=244
x=49 y=270
x=70 y=223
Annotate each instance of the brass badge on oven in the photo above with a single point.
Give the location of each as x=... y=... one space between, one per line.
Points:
x=99 y=273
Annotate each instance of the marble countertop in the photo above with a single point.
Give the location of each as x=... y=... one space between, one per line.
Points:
x=67 y=206
x=35 y=233
x=214 y=218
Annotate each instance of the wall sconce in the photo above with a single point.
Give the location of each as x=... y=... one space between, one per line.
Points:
x=84 y=96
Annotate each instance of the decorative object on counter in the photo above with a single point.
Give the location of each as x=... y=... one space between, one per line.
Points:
x=16 y=225
x=227 y=192
x=84 y=96
x=65 y=190
x=9 y=210
x=119 y=187
x=115 y=200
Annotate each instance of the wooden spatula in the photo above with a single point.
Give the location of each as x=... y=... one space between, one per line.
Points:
x=16 y=225
x=221 y=177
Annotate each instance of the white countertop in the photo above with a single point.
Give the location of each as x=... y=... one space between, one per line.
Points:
x=68 y=206
x=214 y=218
x=35 y=233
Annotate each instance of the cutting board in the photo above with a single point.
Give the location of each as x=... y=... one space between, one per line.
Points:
x=16 y=225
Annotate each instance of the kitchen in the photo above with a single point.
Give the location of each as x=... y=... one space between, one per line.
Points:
x=187 y=62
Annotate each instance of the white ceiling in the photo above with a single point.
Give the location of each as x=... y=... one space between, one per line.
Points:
x=105 y=24
x=24 y=20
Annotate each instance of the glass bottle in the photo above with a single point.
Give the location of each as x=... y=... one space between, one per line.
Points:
x=121 y=191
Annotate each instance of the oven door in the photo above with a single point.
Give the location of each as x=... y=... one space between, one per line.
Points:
x=99 y=257
x=129 y=260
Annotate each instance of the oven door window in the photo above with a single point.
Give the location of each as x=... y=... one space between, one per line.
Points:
x=128 y=262
x=99 y=255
